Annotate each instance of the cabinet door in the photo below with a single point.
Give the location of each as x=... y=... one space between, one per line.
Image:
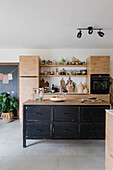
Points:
x=65 y=130
x=37 y=130
x=100 y=65
x=66 y=113
x=38 y=113
x=29 y=65
x=26 y=91
x=92 y=131
x=93 y=114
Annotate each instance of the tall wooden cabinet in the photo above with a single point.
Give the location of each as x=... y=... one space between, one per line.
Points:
x=97 y=65
x=29 y=79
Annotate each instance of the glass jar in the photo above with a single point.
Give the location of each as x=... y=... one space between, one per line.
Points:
x=35 y=93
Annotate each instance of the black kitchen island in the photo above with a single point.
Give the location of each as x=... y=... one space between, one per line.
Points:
x=63 y=120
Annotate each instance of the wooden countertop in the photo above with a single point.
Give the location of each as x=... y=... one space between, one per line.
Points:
x=67 y=102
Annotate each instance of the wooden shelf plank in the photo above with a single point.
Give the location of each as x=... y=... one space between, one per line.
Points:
x=63 y=75
x=63 y=65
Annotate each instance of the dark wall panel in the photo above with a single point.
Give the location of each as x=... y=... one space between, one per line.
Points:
x=12 y=87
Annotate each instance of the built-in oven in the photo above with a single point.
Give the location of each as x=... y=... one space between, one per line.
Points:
x=99 y=83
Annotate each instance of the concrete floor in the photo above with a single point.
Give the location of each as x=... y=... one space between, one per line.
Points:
x=47 y=155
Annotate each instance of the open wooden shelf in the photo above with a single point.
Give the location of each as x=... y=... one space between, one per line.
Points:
x=63 y=75
x=63 y=65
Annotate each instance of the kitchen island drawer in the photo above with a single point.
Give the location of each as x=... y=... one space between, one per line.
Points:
x=92 y=131
x=93 y=114
x=66 y=113
x=65 y=130
x=37 y=130
x=38 y=112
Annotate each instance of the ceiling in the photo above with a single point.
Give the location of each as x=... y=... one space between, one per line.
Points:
x=44 y=24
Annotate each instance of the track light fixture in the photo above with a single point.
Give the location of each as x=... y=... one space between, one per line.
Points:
x=90 y=30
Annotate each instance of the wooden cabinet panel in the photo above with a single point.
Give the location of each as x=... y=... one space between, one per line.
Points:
x=109 y=142
x=98 y=65
x=26 y=91
x=29 y=65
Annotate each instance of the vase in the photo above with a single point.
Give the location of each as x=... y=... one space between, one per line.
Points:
x=7 y=117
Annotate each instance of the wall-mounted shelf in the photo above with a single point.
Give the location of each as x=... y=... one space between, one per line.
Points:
x=63 y=75
x=63 y=65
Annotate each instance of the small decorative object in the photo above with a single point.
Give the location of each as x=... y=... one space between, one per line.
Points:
x=54 y=62
x=80 y=63
x=51 y=63
x=68 y=72
x=77 y=62
x=63 y=72
x=5 y=79
x=62 y=85
x=1 y=76
x=78 y=72
x=70 y=88
x=56 y=71
x=83 y=63
x=44 y=83
x=10 y=76
x=45 y=72
x=70 y=63
x=7 y=105
x=43 y=62
x=63 y=61
x=85 y=90
x=48 y=62
x=84 y=72
x=73 y=60
x=71 y=84
x=53 y=89
x=51 y=72
x=80 y=88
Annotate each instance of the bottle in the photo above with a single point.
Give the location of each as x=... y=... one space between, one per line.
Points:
x=41 y=94
x=53 y=89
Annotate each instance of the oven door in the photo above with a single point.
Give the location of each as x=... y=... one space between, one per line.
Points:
x=99 y=86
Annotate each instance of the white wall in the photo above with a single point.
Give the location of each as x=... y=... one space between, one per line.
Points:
x=57 y=54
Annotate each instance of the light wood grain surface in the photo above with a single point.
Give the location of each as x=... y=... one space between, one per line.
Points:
x=67 y=102
x=29 y=65
x=109 y=142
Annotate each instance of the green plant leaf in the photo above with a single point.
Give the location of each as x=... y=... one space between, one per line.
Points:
x=7 y=103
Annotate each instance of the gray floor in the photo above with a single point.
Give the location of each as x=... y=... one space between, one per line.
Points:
x=47 y=155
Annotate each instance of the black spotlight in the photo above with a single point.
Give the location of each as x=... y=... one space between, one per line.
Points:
x=90 y=30
x=79 y=34
x=100 y=33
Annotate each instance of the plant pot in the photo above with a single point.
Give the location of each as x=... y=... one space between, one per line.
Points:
x=7 y=117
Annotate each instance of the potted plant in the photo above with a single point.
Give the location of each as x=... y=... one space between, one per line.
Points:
x=63 y=61
x=7 y=105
